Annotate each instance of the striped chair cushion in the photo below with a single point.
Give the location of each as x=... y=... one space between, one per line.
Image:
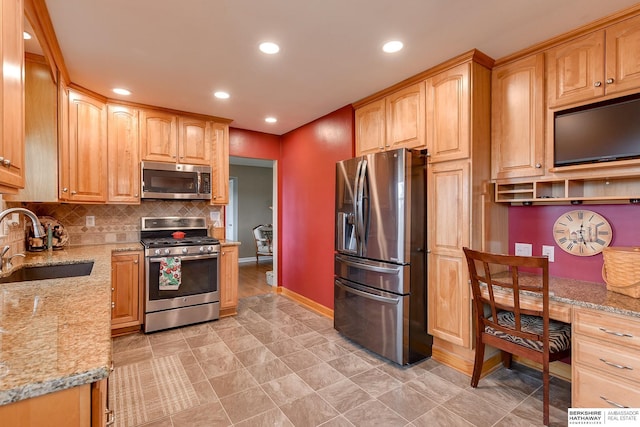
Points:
x=559 y=332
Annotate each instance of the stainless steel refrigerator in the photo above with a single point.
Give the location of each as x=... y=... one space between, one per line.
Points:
x=380 y=283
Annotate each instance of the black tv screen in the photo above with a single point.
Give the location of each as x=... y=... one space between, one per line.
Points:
x=602 y=132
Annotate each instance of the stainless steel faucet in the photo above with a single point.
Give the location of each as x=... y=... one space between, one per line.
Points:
x=5 y=263
x=37 y=228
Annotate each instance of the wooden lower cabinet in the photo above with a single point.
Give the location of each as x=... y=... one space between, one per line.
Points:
x=127 y=281
x=82 y=406
x=448 y=224
x=605 y=364
x=228 y=281
x=70 y=407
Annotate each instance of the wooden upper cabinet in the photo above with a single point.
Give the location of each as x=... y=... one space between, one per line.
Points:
x=405 y=118
x=83 y=147
x=194 y=141
x=220 y=164
x=517 y=118
x=12 y=97
x=370 y=127
x=124 y=158
x=605 y=62
x=623 y=56
x=448 y=114
x=576 y=70
x=158 y=136
x=165 y=137
x=396 y=121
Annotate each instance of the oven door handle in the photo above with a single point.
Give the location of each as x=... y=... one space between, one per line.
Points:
x=186 y=257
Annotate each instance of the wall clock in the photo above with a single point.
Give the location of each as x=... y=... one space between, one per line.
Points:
x=582 y=232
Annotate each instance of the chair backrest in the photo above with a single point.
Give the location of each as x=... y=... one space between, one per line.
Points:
x=263 y=235
x=496 y=281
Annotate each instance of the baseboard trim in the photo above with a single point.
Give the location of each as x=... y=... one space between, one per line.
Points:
x=310 y=304
x=247 y=260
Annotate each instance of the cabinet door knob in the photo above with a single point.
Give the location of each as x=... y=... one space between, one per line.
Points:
x=538 y=165
x=135 y=262
x=113 y=305
x=609 y=81
x=65 y=189
x=74 y=192
x=7 y=162
x=597 y=84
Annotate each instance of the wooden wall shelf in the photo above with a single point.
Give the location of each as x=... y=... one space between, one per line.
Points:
x=591 y=190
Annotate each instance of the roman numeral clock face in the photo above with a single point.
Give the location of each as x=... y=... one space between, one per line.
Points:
x=582 y=232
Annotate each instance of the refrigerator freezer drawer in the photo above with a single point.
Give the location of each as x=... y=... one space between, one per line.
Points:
x=373 y=319
x=380 y=275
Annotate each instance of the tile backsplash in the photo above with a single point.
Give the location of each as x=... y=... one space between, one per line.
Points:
x=113 y=223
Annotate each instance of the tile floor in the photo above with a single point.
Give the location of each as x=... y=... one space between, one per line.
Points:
x=279 y=364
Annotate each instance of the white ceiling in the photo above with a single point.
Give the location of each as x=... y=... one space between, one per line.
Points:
x=176 y=53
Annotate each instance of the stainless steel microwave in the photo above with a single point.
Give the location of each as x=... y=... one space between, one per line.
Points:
x=175 y=181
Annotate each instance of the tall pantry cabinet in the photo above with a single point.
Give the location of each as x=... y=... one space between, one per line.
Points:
x=460 y=211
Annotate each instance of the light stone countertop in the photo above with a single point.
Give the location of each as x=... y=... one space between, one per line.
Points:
x=56 y=333
x=585 y=294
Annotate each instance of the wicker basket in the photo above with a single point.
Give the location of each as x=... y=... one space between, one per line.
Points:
x=621 y=270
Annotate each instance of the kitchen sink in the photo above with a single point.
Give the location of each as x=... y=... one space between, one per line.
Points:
x=42 y=272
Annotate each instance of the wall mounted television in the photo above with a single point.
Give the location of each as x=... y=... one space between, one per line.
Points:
x=595 y=133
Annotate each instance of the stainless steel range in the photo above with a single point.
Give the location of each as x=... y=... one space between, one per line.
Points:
x=182 y=269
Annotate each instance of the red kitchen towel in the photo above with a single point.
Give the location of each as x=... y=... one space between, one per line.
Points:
x=170 y=274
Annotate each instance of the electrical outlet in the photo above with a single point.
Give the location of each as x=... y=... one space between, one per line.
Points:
x=524 y=249
x=548 y=251
x=90 y=221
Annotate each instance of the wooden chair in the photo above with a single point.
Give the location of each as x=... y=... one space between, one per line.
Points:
x=263 y=236
x=502 y=322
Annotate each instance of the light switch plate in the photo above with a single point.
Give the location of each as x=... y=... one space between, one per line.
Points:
x=90 y=221
x=524 y=249
x=548 y=251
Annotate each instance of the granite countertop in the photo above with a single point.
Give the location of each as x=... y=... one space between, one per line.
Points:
x=56 y=333
x=586 y=294
x=592 y=295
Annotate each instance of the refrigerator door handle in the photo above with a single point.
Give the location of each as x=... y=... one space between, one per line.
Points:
x=360 y=225
x=368 y=267
x=367 y=294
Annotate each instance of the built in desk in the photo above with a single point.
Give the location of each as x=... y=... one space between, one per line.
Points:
x=605 y=339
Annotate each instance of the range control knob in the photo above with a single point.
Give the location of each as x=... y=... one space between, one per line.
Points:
x=167 y=251
x=201 y=249
x=156 y=252
x=209 y=249
x=185 y=250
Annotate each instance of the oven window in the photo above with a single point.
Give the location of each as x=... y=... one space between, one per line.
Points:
x=198 y=276
x=159 y=181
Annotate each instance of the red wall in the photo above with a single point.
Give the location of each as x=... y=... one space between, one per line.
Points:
x=533 y=224
x=257 y=145
x=307 y=159
x=307 y=203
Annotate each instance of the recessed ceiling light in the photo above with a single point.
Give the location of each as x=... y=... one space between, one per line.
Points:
x=392 y=46
x=269 y=48
x=270 y=120
x=221 y=95
x=121 y=91
x=26 y=36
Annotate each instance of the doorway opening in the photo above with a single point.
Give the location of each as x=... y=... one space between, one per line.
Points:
x=254 y=182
